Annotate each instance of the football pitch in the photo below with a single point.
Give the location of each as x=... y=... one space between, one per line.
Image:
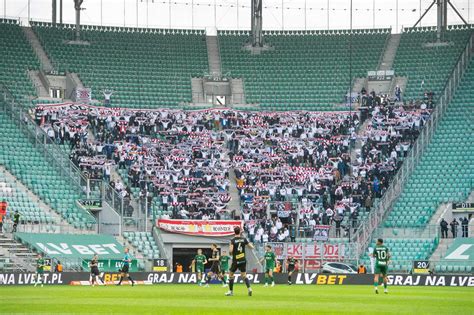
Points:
x=191 y=299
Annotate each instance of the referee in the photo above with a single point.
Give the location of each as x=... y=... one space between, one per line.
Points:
x=124 y=273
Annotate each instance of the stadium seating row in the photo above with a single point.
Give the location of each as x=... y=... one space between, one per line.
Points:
x=301 y=72
x=119 y=28
x=19 y=201
x=427 y=68
x=144 y=242
x=446 y=169
x=17 y=58
x=311 y=32
x=29 y=164
x=160 y=77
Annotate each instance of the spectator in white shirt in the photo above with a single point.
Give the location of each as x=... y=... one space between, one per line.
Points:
x=278 y=224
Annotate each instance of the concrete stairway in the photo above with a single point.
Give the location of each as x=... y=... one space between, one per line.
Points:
x=359 y=83
x=390 y=52
x=46 y=64
x=234 y=203
x=77 y=81
x=443 y=211
x=213 y=56
x=441 y=250
x=238 y=94
x=39 y=86
x=197 y=90
x=358 y=143
x=15 y=256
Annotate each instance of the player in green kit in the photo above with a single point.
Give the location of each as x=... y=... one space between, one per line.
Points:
x=270 y=263
x=39 y=270
x=224 y=263
x=382 y=259
x=199 y=261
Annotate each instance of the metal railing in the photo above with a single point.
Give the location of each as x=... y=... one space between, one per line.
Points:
x=85 y=186
x=430 y=231
x=38 y=136
x=364 y=232
x=51 y=151
x=54 y=228
x=69 y=264
x=132 y=214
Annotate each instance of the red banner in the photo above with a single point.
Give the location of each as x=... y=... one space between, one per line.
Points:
x=199 y=227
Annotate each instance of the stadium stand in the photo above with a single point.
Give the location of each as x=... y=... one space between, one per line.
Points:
x=14 y=255
x=160 y=77
x=183 y=162
x=301 y=70
x=144 y=243
x=19 y=200
x=28 y=164
x=160 y=152
x=446 y=169
x=317 y=183
x=17 y=59
x=427 y=68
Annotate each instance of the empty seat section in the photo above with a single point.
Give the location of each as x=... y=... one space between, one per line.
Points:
x=144 y=69
x=301 y=70
x=446 y=170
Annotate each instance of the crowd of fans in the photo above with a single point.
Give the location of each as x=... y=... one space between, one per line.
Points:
x=290 y=168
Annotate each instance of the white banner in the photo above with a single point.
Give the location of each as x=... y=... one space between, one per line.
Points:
x=199 y=227
x=83 y=95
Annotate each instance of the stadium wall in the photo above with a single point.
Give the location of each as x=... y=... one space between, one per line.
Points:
x=70 y=278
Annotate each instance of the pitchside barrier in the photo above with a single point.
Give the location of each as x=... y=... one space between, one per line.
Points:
x=146 y=278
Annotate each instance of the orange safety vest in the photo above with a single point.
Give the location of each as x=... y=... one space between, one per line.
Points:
x=240 y=183
x=179 y=268
x=361 y=269
x=278 y=269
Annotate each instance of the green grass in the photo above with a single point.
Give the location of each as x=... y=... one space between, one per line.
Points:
x=187 y=299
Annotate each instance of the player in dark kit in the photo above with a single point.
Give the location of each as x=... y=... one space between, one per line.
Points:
x=215 y=268
x=239 y=261
x=95 y=273
x=291 y=264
